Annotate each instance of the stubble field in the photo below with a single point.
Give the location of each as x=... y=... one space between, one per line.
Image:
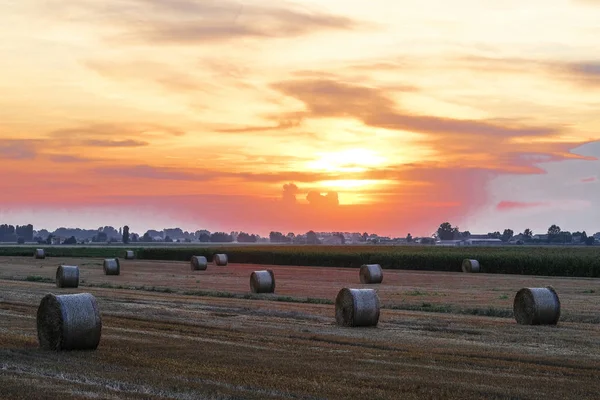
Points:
x=169 y=332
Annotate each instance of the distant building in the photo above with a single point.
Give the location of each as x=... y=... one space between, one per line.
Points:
x=541 y=238
x=517 y=239
x=482 y=242
x=479 y=236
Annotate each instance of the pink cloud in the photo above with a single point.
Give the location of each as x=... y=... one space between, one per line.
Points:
x=588 y=179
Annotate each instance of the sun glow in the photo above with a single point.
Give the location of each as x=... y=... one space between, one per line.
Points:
x=351 y=160
x=344 y=184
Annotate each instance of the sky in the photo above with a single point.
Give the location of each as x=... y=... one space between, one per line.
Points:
x=387 y=116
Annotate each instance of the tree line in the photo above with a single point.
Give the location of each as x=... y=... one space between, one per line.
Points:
x=554 y=234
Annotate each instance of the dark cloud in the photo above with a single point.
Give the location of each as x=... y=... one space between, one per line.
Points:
x=114 y=143
x=18 y=149
x=103 y=130
x=148 y=172
x=587 y=73
x=334 y=98
x=199 y=22
x=169 y=173
x=282 y=122
x=67 y=158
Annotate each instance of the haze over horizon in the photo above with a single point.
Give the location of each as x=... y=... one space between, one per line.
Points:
x=243 y=116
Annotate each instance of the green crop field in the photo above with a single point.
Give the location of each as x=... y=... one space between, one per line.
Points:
x=525 y=260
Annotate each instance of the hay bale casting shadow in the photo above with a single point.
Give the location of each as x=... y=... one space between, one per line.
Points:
x=262 y=281
x=67 y=276
x=470 y=265
x=220 y=259
x=111 y=266
x=39 y=254
x=357 y=307
x=371 y=273
x=198 y=263
x=69 y=322
x=129 y=255
x=537 y=306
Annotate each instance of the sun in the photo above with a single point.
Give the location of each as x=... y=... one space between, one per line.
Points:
x=351 y=160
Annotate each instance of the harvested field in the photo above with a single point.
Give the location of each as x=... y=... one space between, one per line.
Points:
x=169 y=332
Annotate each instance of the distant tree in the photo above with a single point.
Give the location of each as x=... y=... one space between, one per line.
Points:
x=204 y=237
x=584 y=237
x=553 y=233
x=100 y=237
x=364 y=236
x=168 y=239
x=221 y=237
x=409 y=238
x=202 y=232
x=590 y=240
x=311 y=238
x=147 y=237
x=495 y=235
x=49 y=239
x=126 y=234
x=277 y=237
x=446 y=231
x=506 y=235
x=341 y=236
x=465 y=234
x=244 y=237
x=528 y=234
x=21 y=240
x=70 y=240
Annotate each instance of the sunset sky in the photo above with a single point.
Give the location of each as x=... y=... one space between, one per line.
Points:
x=243 y=115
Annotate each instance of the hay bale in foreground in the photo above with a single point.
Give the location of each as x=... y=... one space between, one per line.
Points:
x=39 y=254
x=69 y=322
x=537 y=306
x=371 y=273
x=67 y=276
x=357 y=307
x=129 y=255
x=262 y=281
x=111 y=266
x=198 y=263
x=470 y=265
x=220 y=259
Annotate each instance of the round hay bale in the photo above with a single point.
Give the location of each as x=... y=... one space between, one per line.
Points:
x=537 y=306
x=39 y=254
x=198 y=263
x=111 y=266
x=371 y=273
x=470 y=265
x=129 y=255
x=357 y=307
x=67 y=276
x=262 y=281
x=220 y=259
x=69 y=322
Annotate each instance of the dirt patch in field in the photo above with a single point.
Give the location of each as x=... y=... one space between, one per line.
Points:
x=446 y=292
x=158 y=345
